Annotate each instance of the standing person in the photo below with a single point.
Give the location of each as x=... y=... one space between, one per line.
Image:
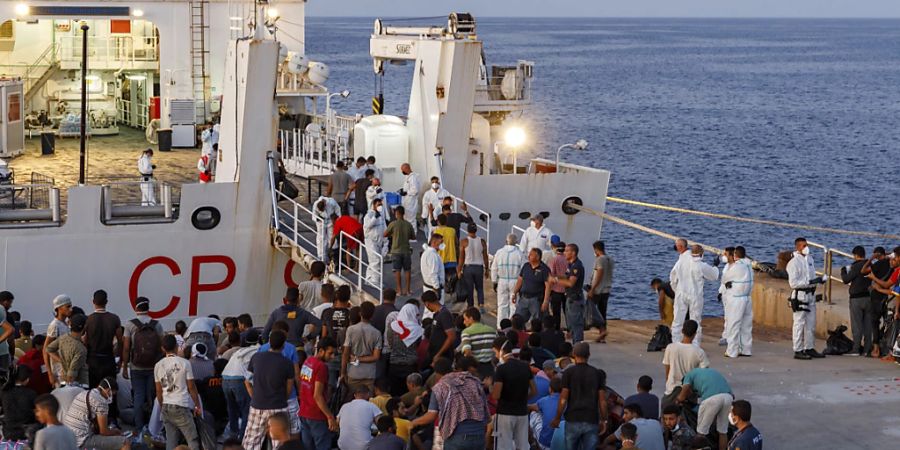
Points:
x=403 y=335
x=335 y=321
x=358 y=169
x=54 y=435
x=370 y=165
x=474 y=256
x=513 y=386
x=803 y=280
x=146 y=167
x=347 y=227
x=206 y=330
x=738 y=285
x=317 y=422
x=6 y=336
x=296 y=318
x=355 y=420
x=362 y=350
x=880 y=268
x=723 y=297
x=290 y=353
x=601 y=283
x=688 y=282
x=448 y=256
x=431 y=203
x=141 y=350
x=272 y=383
x=682 y=302
x=665 y=298
x=311 y=289
x=443 y=333
x=70 y=354
x=374 y=191
x=531 y=294
x=505 y=269
x=715 y=400
x=88 y=418
x=455 y=219
x=177 y=396
x=380 y=322
x=747 y=437
x=679 y=359
x=433 y=276
x=236 y=373
x=339 y=186
x=409 y=193
x=861 y=308
x=325 y=211
x=401 y=232
x=478 y=340
x=458 y=405
x=62 y=309
x=582 y=402
x=374 y=226
x=558 y=265
x=536 y=236
x=575 y=304
x=101 y=331
x=358 y=190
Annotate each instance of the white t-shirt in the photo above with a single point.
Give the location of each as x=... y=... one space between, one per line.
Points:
x=172 y=372
x=355 y=420
x=203 y=325
x=681 y=359
x=318 y=310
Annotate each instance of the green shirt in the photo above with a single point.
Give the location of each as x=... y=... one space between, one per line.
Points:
x=479 y=338
x=400 y=232
x=706 y=382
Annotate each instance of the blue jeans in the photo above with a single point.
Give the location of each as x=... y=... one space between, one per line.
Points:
x=315 y=434
x=581 y=435
x=143 y=388
x=238 y=400
x=528 y=307
x=459 y=441
x=575 y=318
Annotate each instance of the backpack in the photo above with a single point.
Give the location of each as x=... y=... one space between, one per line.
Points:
x=145 y=344
x=660 y=340
x=838 y=343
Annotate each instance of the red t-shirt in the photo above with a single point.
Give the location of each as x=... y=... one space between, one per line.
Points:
x=350 y=226
x=39 y=382
x=313 y=370
x=895 y=276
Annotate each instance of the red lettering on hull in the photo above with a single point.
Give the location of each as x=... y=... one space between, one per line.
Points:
x=136 y=277
x=197 y=287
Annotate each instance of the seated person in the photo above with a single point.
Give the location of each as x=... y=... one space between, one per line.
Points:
x=18 y=408
x=677 y=434
x=90 y=408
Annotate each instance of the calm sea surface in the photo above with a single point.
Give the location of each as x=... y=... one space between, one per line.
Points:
x=793 y=120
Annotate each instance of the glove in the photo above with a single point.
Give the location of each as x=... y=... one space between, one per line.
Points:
x=719 y=297
x=716 y=260
x=728 y=285
x=402 y=193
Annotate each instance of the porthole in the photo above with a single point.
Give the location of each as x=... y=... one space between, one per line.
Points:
x=483 y=217
x=504 y=216
x=206 y=218
x=568 y=209
x=524 y=215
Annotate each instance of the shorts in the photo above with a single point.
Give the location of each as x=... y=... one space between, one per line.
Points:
x=401 y=262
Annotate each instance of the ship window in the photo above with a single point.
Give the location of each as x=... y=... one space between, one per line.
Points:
x=504 y=216
x=524 y=215
x=568 y=209
x=206 y=218
x=545 y=214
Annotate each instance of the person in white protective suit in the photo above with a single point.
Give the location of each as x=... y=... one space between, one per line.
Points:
x=687 y=278
x=325 y=211
x=505 y=269
x=432 y=266
x=374 y=191
x=803 y=280
x=537 y=236
x=737 y=282
x=145 y=167
x=373 y=230
x=678 y=312
x=728 y=256
x=409 y=194
x=431 y=204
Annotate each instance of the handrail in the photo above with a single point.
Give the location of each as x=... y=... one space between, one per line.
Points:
x=361 y=266
x=483 y=216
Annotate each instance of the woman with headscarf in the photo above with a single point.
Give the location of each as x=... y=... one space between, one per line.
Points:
x=403 y=336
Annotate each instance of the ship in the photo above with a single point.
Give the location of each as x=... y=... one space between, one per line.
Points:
x=232 y=246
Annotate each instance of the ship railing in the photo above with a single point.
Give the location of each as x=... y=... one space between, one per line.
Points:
x=29 y=205
x=359 y=267
x=109 y=51
x=318 y=148
x=134 y=202
x=481 y=218
x=295 y=221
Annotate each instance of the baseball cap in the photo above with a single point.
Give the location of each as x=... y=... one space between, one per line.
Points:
x=61 y=300
x=554 y=240
x=550 y=364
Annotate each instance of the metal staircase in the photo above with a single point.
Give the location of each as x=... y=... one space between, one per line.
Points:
x=47 y=64
x=199 y=53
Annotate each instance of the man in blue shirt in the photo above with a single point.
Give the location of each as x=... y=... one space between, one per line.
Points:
x=545 y=408
x=747 y=436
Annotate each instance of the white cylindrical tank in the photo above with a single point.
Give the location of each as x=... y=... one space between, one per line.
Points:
x=387 y=139
x=297 y=63
x=318 y=73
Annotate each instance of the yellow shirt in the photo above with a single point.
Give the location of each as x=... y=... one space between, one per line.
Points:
x=381 y=402
x=402 y=428
x=448 y=254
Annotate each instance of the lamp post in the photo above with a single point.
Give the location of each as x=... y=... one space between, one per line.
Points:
x=580 y=144
x=82 y=154
x=344 y=94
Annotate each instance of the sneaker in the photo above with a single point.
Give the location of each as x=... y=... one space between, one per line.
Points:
x=802 y=355
x=744 y=355
x=813 y=353
x=723 y=342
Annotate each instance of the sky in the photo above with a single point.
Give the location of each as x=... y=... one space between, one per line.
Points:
x=609 y=8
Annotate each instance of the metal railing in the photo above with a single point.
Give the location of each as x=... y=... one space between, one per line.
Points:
x=361 y=267
x=109 y=49
x=137 y=202
x=44 y=61
x=26 y=205
x=132 y=114
x=482 y=218
x=319 y=147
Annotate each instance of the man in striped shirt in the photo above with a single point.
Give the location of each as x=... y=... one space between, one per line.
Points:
x=478 y=340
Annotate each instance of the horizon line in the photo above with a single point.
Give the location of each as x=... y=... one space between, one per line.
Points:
x=638 y=17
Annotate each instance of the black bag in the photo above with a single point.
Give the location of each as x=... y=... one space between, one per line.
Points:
x=206 y=434
x=288 y=189
x=838 y=343
x=660 y=340
x=889 y=333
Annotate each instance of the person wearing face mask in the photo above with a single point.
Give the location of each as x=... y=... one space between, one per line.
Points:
x=747 y=437
x=803 y=280
x=325 y=211
x=738 y=283
x=409 y=193
x=728 y=256
x=688 y=278
x=432 y=266
x=90 y=407
x=536 y=236
x=431 y=203
x=681 y=303
x=373 y=228
x=374 y=191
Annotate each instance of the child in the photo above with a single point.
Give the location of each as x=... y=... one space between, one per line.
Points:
x=54 y=436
